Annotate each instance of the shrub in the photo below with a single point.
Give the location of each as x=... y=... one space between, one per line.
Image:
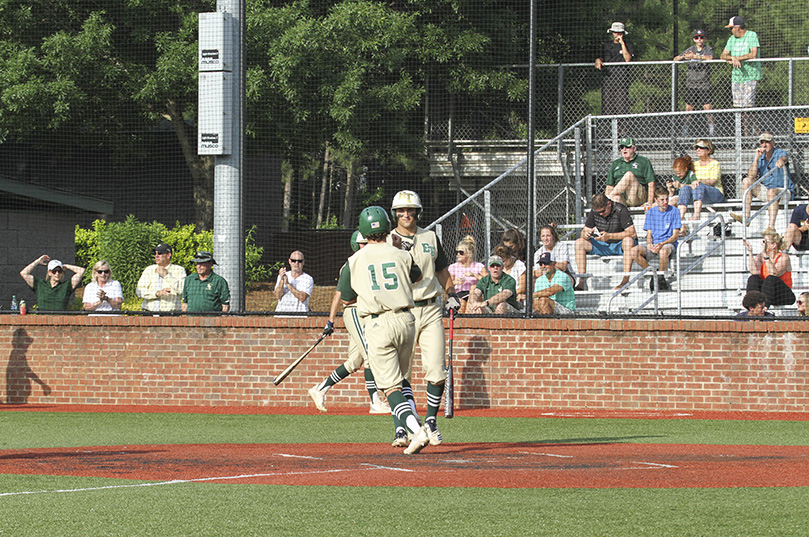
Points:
x=127 y=246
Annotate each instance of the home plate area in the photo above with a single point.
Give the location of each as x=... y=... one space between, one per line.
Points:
x=504 y=465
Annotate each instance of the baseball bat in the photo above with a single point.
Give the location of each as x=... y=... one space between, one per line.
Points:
x=285 y=373
x=449 y=391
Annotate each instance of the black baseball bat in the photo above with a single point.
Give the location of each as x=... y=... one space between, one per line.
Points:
x=449 y=391
x=285 y=373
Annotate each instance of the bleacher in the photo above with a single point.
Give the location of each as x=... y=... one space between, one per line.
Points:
x=702 y=292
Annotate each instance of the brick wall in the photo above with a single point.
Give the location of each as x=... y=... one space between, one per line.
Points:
x=499 y=363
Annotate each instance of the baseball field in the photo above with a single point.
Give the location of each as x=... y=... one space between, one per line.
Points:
x=93 y=471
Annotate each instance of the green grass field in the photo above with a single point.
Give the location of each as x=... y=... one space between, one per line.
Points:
x=53 y=507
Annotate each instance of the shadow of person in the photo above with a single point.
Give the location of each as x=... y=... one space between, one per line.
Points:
x=19 y=374
x=472 y=382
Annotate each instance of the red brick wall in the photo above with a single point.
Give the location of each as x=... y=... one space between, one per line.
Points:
x=499 y=363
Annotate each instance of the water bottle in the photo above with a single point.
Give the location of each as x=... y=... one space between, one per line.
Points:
x=23 y=308
x=14 y=305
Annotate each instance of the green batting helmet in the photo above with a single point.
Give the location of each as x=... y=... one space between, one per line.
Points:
x=373 y=221
x=357 y=239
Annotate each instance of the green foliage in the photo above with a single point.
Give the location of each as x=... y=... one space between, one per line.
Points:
x=128 y=247
x=331 y=223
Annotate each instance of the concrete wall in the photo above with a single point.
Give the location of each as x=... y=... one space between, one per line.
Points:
x=499 y=363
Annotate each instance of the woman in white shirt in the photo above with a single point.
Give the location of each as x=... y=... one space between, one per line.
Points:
x=103 y=293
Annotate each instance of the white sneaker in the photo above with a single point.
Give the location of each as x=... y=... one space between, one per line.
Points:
x=318 y=397
x=432 y=432
x=379 y=407
x=420 y=439
x=400 y=440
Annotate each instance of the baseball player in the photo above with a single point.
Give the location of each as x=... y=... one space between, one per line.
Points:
x=426 y=250
x=379 y=278
x=356 y=350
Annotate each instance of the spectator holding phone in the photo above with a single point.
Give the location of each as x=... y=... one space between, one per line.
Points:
x=293 y=286
x=797 y=234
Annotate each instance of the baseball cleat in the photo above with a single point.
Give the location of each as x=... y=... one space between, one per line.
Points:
x=420 y=439
x=318 y=397
x=433 y=433
x=401 y=439
x=379 y=407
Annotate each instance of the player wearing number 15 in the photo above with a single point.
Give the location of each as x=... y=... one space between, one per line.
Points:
x=379 y=278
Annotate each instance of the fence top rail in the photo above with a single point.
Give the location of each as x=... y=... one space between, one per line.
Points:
x=712 y=111
x=658 y=62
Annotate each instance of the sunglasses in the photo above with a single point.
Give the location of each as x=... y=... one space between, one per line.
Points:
x=800 y=302
x=57 y=270
x=496 y=265
x=624 y=146
x=460 y=252
x=103 y=271
x=699 y=37
x=296 y=260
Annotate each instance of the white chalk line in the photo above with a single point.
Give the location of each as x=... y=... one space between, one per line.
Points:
x=196 y=480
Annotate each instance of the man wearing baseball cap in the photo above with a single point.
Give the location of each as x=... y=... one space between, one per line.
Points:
x=615 y=81
x=631 y=178
x=553 y=290
x=205 y=290
x=161 y=285
x=743 y=45
x=698 y=80
x=53 y=293
x=494 y=293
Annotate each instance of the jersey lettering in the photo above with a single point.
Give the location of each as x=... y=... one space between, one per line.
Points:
x=429 y=249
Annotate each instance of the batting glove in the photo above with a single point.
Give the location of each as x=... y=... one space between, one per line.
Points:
x=454 y=303
x=328 y=329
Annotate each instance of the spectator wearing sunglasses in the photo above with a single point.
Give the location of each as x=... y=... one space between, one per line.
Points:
x=802 y=304
x=698 y=79
x=53 y=293
x=161 y=285
x=293 y=286
x=103 y=293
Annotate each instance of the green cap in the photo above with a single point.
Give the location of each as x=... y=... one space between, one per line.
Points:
x=626 y=142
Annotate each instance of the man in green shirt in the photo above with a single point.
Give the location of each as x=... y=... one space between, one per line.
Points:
x=53 y=293
x=631 y=178
x=205 y=290
x=495 y=293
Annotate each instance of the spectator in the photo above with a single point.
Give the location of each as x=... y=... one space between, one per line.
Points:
x=53 y=293
x=294 y=287
x=709 y=174
x=516 y=241
x=771 y=271
x=615 y=79
x=495 y=292
x=103 y=293
x=698 y=79
x=755 y=305
x=631 y=178
x=802 y=300
x=465 y=271
x=514 y=267
x=549 y=240
x=692 y=190
x=662 y=226
x=205 y=290
x=608 y=230
x=553 y=290
x=743 y=45
x=767 y=159
x=161 y=285
x=797 y=234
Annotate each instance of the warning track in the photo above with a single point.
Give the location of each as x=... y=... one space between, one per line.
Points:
x=502 y=465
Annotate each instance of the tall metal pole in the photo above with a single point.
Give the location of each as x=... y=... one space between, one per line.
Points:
x=530 y=228
x=228 y=228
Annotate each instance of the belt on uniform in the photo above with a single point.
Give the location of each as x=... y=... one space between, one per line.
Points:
x=403 y=310
x=427 y=302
